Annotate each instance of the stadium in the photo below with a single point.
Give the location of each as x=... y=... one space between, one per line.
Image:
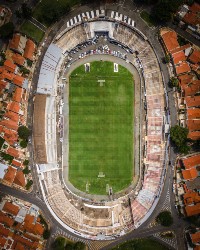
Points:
x=99 y=126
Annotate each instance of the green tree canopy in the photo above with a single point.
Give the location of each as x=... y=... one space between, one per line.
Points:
x=46 y=234
x=173 y=82
x=165 y=218
x=178 y=135
x=6 y=30
x=23 y=132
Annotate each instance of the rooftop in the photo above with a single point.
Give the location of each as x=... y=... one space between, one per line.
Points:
x=192 y=210
x=193 y=125
x=192 y=101
x=189 y=174
x=191 y=161
x=11 y=208
x=193 y=113
x=195 y=56
x=182 y=68
x=170 y=40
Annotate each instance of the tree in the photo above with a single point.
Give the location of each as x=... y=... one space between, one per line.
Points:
x=165 y=218
x=46 y=234
x=173 y=82
x=26 y=162
x=167 y=58
x=79 y=246
x=178 y=135
x=6 y=30
x=23 y=143
x=26 y=11
x=162 y=12
x=24 y=132
x=59 y=243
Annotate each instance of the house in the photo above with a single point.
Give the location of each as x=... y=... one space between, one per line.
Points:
x=13 y=152
x=20 y=179
x=10 y=124
x=185 y=79
x=18 y=59
x=195 y=57
x=195 y=237
x=16 y=163
x=10 y=136
x=178 y=57
x=10 y=174
x=18 y=80
x=192 y=101
x=191 y=198
x=5 y=75
x=169 y=38
x=192 y=210
x=192 y=88
x=182 y=68
x=192 y=16
x=14 y=107
x=193 y=184
x=29 y=49
x=191 y=161
x=18 y=43
x=9 y=66
x=193 y=113
x=11 y=208
x=193 y=125
x=18 y=95
x=12 y=116
x=189 y=174
x=194 y=135
x=6 y=220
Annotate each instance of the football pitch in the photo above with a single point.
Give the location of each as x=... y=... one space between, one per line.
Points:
x=101 y=136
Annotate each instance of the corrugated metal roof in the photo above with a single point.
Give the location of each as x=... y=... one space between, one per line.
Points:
x=46 y=82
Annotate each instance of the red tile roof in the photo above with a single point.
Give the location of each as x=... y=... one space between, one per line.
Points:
x=195 y=237
x=192 y=17
x=30 y=244
x=194 y=135
x=170 y=40
x=18 y=94
x=2 y=85
x=192 y=210
x=191 y=161
x=182 y=48
x=192 y=88
x=189 y=174
x=4 y=74
x=182 y=68
x=178 y=57
x=13 y=106
x=9 y=124
x=14 y=152
x=185 y=79
x=10 y=136
x=16 y=163
x=191 y=197
x=14 y=43
x=9 y=66
x=29 y=50
x=19 y=246
x=5 y=219
x=38 y=229
x=20 y=179
x=193 y=125
x=2 y=241
x=18 y=59
x=193 y=113
x=195 y=56
x=192 y=101
x=12 y=116
x=4 y=231
x=10 y=174
x=18 y=80
x=11 y=208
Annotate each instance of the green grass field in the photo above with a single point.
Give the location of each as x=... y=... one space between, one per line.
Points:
x=32 y=31
x=101 y=128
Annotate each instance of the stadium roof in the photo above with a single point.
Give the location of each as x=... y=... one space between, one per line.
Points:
x=46 y=82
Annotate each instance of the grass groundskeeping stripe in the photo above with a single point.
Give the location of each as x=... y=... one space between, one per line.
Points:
x=101 y=111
